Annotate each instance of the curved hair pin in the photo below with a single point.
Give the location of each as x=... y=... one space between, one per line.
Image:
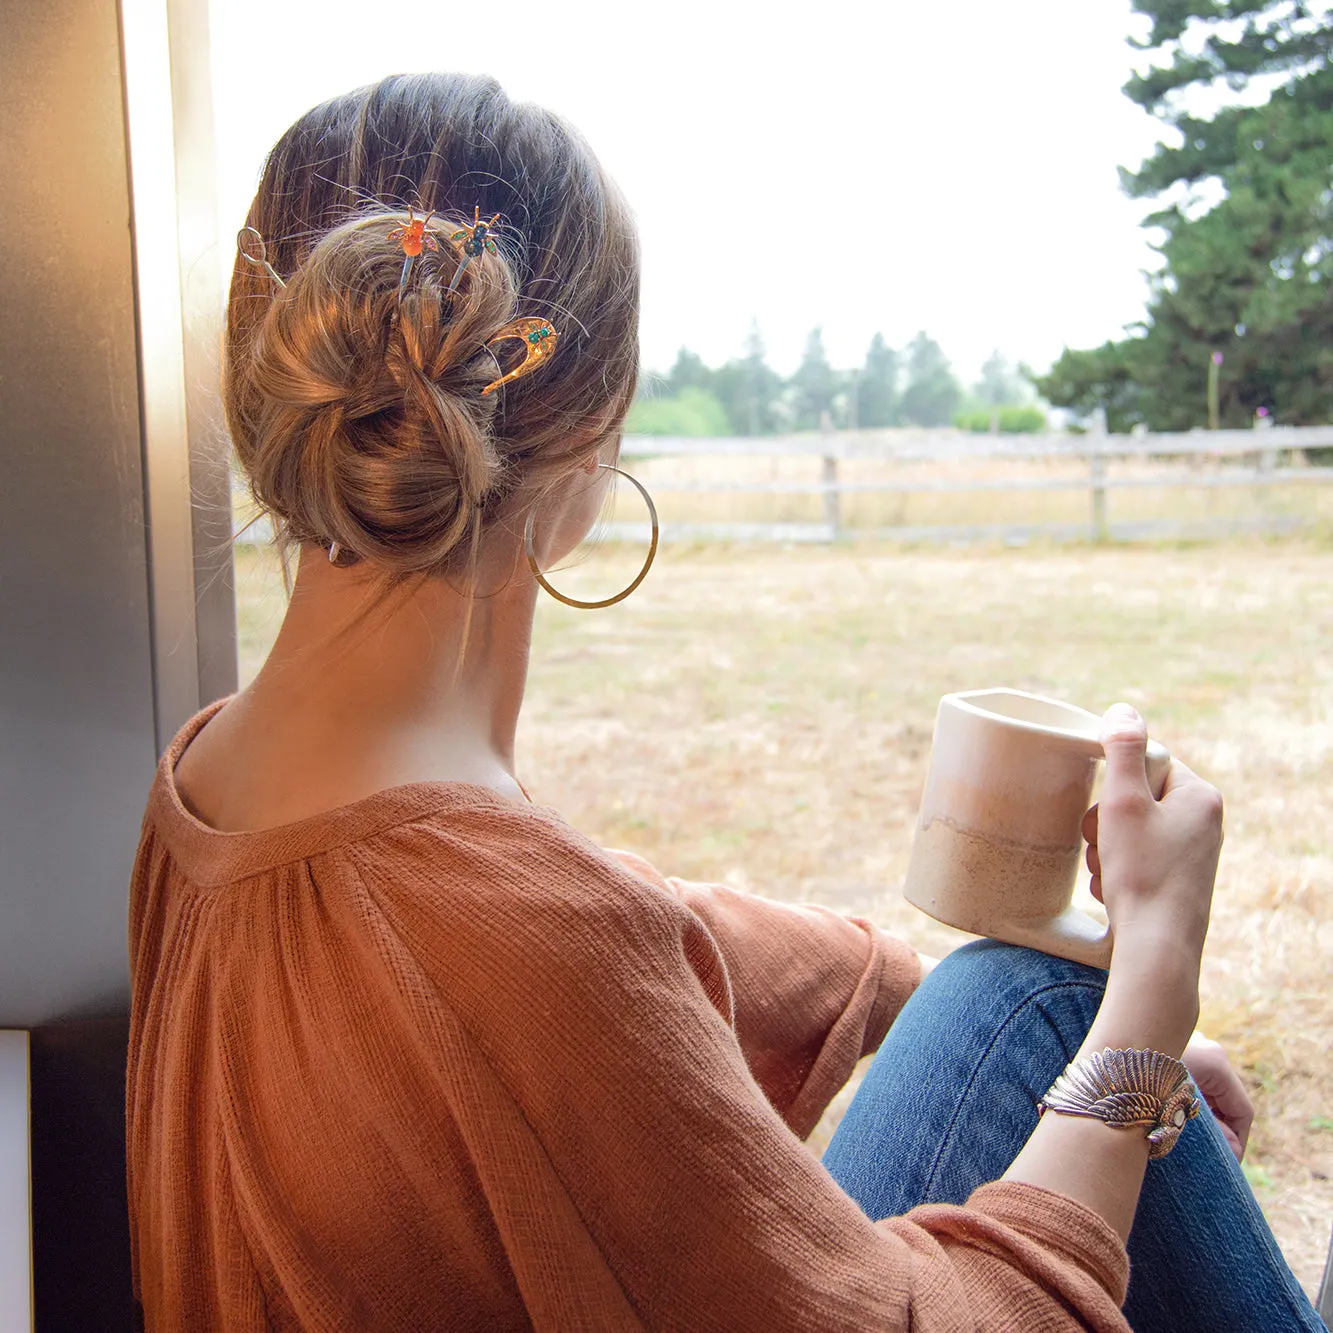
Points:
x=260 y=258
x=539 y=339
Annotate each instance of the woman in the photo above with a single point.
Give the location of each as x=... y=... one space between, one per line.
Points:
x=410 y=1053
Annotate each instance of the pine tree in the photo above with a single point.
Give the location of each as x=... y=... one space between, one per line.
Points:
x=932 y=395
x=1000 y=385
x=1252 y=276
x=877 y=402
x=751 y=390
x=689 y=372
x=814 y=385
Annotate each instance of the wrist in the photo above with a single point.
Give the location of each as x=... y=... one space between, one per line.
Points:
x=1154 y=960
x=1159 y=938
x=1151 y=1002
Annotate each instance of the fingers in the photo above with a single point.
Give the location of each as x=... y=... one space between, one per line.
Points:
x=1094 y=856
x=1095 y=870
x=1231 y=1105
x=1221 y=1087
x=1090 y=826
x=1191 y=793
x=1124 y=738
x=1229 y=1134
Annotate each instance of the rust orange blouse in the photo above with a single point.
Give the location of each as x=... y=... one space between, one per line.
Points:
x=435 y=1061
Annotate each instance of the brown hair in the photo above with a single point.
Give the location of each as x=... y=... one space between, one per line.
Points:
x=362 y=421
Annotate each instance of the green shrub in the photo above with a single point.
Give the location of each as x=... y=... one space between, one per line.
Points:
x=691 y=412
x=1015 y=420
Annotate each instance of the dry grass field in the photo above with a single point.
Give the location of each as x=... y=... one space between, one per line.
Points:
x=762 y=716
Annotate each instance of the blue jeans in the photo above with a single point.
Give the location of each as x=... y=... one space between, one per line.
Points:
x=951 y=1098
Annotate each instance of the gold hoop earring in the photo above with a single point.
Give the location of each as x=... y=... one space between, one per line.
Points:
x=638 y=578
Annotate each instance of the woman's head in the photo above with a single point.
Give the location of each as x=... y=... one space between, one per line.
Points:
x=360 y=419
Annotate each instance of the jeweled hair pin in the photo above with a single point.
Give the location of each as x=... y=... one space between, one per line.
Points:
x=413 y=237
x=539 y=339
x=471 y=241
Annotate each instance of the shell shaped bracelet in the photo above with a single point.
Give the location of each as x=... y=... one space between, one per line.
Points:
x=1128 y=1089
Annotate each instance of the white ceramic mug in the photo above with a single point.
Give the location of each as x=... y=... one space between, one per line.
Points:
x=999 y=837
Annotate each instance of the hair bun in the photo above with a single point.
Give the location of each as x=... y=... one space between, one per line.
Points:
x=359 y=417
x=364 y=422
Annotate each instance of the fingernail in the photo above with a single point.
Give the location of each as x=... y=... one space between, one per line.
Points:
x=1123 y=712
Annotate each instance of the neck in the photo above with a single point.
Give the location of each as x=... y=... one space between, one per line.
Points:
x=422 y=684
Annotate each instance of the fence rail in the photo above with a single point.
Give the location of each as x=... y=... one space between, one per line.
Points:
x=928 y=446
x=1212 y=460
x=1205 y=461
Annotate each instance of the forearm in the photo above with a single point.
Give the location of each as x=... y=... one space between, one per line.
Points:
x=1086 y=1159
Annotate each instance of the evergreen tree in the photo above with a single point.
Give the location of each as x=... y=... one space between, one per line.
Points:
x=1252 y=276
x=1274 y=36
x=1110 y=377
x=932 y=395
x=814 y=385
x=877 y=402
x=689 y=372
x=751 y=390
x=1000 y=385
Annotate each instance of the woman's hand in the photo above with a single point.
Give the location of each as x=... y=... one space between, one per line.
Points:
x=1153 y=864
x=1220 y=1086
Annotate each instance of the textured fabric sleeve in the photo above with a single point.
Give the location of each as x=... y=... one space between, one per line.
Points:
x=710 y=1213
x=812 y=991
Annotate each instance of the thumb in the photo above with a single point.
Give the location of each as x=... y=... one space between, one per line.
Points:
x=1124 y=737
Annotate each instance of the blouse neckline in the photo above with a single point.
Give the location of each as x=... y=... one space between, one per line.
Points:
x=208 y=856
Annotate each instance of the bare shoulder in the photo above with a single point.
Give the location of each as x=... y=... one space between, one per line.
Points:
x=253 y=767
x=216 y=770
x=249 y=769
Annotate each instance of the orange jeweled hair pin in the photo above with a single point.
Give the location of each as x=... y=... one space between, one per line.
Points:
x=414 y=237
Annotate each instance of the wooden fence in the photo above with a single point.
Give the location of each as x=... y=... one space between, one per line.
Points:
x=1194 y=461
x=1099 y=465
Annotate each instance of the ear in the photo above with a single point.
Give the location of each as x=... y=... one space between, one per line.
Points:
x=590 y=466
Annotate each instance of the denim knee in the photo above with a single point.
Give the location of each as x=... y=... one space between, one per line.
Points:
x=952 y=1098
x=1003 y=1010
x=1013 y=969
x=952 y=1094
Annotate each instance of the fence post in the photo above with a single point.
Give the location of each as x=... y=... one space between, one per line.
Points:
x=1097 y=477
x=1267 y=459
x=1098 y=480
x=832 y=509
x=828 y=476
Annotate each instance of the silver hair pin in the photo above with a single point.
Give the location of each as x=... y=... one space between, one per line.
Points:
x=251 y=237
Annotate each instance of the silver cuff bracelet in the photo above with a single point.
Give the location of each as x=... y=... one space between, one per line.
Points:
x=1127 y=1089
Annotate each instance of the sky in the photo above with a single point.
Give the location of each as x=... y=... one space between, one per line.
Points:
x=877 y=166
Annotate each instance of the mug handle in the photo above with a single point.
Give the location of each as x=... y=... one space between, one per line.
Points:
x=1074 y=934
x=1159 y=765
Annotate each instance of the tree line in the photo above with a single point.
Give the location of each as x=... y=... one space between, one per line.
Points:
x=912 y=387
x=1246 y=225
x=1239 y=318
